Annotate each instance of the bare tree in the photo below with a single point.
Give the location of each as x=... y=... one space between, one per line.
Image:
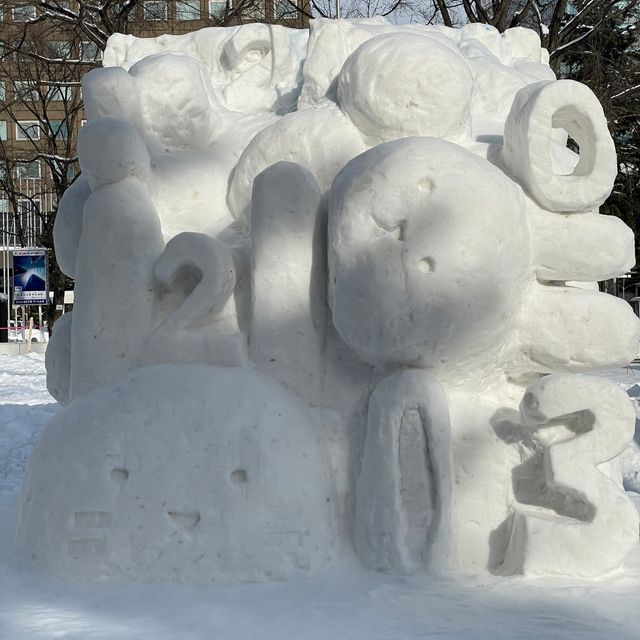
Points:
x=563 y=25
x=609 y=62
x=46 y=46
x=96 y=20
x=402 y=10
x=50 y=44
x=41 y=104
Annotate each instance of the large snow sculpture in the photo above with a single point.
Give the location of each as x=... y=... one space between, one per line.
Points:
x=322 y=280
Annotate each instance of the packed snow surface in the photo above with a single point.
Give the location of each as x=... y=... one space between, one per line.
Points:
x=343 y=258
x=350 y=605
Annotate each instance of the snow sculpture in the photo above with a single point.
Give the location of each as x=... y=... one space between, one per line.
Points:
x=333 y=289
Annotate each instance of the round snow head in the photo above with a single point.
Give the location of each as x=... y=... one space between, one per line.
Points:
x=400 y=85
x=428 y=254
x=177 y=101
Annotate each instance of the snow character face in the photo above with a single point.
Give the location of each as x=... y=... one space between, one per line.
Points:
x=158 y=478
x=428 y=256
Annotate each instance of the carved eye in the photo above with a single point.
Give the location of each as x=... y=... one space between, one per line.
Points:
x=239 y=476
x=119 y=475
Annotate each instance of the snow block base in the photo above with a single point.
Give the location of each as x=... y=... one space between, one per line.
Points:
x=155 y=477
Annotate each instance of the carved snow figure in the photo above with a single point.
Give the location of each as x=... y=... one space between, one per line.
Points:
x=429 y=275
x=187 y=472
x=321 y=280
x=191 y=472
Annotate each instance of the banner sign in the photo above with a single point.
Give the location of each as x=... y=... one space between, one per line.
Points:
x=30 y=276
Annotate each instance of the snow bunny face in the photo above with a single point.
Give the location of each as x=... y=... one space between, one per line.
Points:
x=428 y=253
x=243 y=494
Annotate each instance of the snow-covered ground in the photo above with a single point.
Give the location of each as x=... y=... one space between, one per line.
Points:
x=356 y=605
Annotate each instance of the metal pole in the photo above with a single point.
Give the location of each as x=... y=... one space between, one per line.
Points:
x=9 y=283
x=338 y=10
x=7 y=268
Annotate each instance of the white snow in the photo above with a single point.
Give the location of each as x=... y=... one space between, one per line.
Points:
x=571 y=106
x=353 y=606
x=417 y=174
x=25 y=408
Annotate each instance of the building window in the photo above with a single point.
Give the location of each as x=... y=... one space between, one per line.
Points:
x=59 y=129
x=27 y=206
x=28 y=170
x=60 y=93
x=3 y=129
x=59 y=50
x=25 y=91
x=89 y=51
x=188 y=10
x=255 y=11
x=28 y=210
x=28 y=130
x=217 y=9
x=23 y=13
x=62 y=168
x=4 y=205
x=155 y=10
x=23 y=51
x=3 y=93
x=283 y=9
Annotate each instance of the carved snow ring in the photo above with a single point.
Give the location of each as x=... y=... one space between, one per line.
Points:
x=536 y=111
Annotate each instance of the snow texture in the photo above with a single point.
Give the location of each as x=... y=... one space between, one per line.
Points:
x=321 y=280
x=25 y=408
x=353 y=604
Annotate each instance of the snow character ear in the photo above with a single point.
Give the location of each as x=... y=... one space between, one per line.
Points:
x=537 y=110
x=288 y=278
x=111 y=93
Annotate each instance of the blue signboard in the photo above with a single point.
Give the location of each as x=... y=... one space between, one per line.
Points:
x=30 y=276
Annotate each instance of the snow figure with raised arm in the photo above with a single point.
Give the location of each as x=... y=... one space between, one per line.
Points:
x=333 y=291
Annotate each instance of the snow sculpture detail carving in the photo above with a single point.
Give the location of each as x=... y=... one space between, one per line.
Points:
x=322 y=279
